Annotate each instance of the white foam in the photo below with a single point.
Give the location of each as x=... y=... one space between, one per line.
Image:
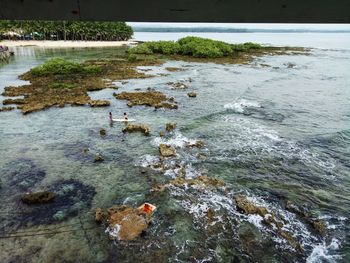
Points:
x=250 y=137
x=240 y=104
x=322 y=252
x=178 y=141
x=113 y=231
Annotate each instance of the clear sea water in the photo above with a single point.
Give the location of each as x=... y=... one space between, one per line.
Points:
x=276 y=133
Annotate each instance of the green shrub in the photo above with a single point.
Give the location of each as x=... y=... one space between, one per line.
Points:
x=204 y=47
x=193 y=46
x=60 y=66
x=132 y=58
x=140 y=49
x=57 y=85
x=164 y=47
x=156 y=47
x=245 y=47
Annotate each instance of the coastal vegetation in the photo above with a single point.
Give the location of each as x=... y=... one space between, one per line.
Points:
x=194 y=46
x=60 y=66
x=65 y=30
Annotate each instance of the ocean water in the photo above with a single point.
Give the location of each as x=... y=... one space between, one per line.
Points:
x=276 y=130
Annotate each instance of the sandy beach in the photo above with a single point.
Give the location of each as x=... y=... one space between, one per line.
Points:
x=65 y=44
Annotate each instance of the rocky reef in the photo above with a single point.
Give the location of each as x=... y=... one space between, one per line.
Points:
x=52 y=87
x=6 y=109
x=143 y=128
x=149 y=98
x=125 y=223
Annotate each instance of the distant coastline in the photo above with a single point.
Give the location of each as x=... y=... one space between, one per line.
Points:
x=65 y=44
x=166 y=29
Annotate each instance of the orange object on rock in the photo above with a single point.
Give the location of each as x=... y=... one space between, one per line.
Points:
x=147 y=208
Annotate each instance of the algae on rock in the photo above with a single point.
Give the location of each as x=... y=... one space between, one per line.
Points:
x=149 y=98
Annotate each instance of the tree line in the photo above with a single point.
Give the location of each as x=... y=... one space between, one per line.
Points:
x=65 y=30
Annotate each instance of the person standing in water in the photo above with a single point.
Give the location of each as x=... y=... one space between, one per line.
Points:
x=110 y=117
x=125 y=116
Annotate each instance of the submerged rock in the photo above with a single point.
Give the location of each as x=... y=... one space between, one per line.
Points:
x=170 y=126
x=172 y=69
x=6 y=109
x=99 y=103
x=192 y=94
x=98 y=158
x=137 y=128
x=125 y=223
x=297 y=210
x=319 y=226
x=177 y=85
x=166 y=150
x=23 y=174
x=293 y=242
x=38 y=197
x=247 y=207
x=102 y=132
x=201 y=180
x=197 y=143
x=150 y=98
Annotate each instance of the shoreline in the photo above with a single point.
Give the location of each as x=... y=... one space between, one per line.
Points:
x=65 y=44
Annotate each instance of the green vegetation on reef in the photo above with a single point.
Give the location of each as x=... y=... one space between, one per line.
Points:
x=58 y=85
x=65 y=30
x=59 y=82
x=193 y=46
x=60 y=66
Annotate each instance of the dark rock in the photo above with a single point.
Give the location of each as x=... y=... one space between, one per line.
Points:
x=38 y=198
x=102 y=132
x=170 y=126
x=98 y=159
x=192 y=94
x=319 y=226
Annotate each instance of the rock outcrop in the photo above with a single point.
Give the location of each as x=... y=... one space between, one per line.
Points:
x=99 y=103
x=192 y=94
x=125 y=223
x=247 y=207
x=98 y=159
x=170 y=126
x=6 y=109
x=150 y=98
x=166 y=150
x=137 y=128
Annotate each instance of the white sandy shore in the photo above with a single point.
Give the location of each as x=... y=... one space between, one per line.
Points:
x=65 y=44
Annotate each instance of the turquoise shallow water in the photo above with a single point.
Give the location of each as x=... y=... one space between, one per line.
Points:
x=278 y=133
